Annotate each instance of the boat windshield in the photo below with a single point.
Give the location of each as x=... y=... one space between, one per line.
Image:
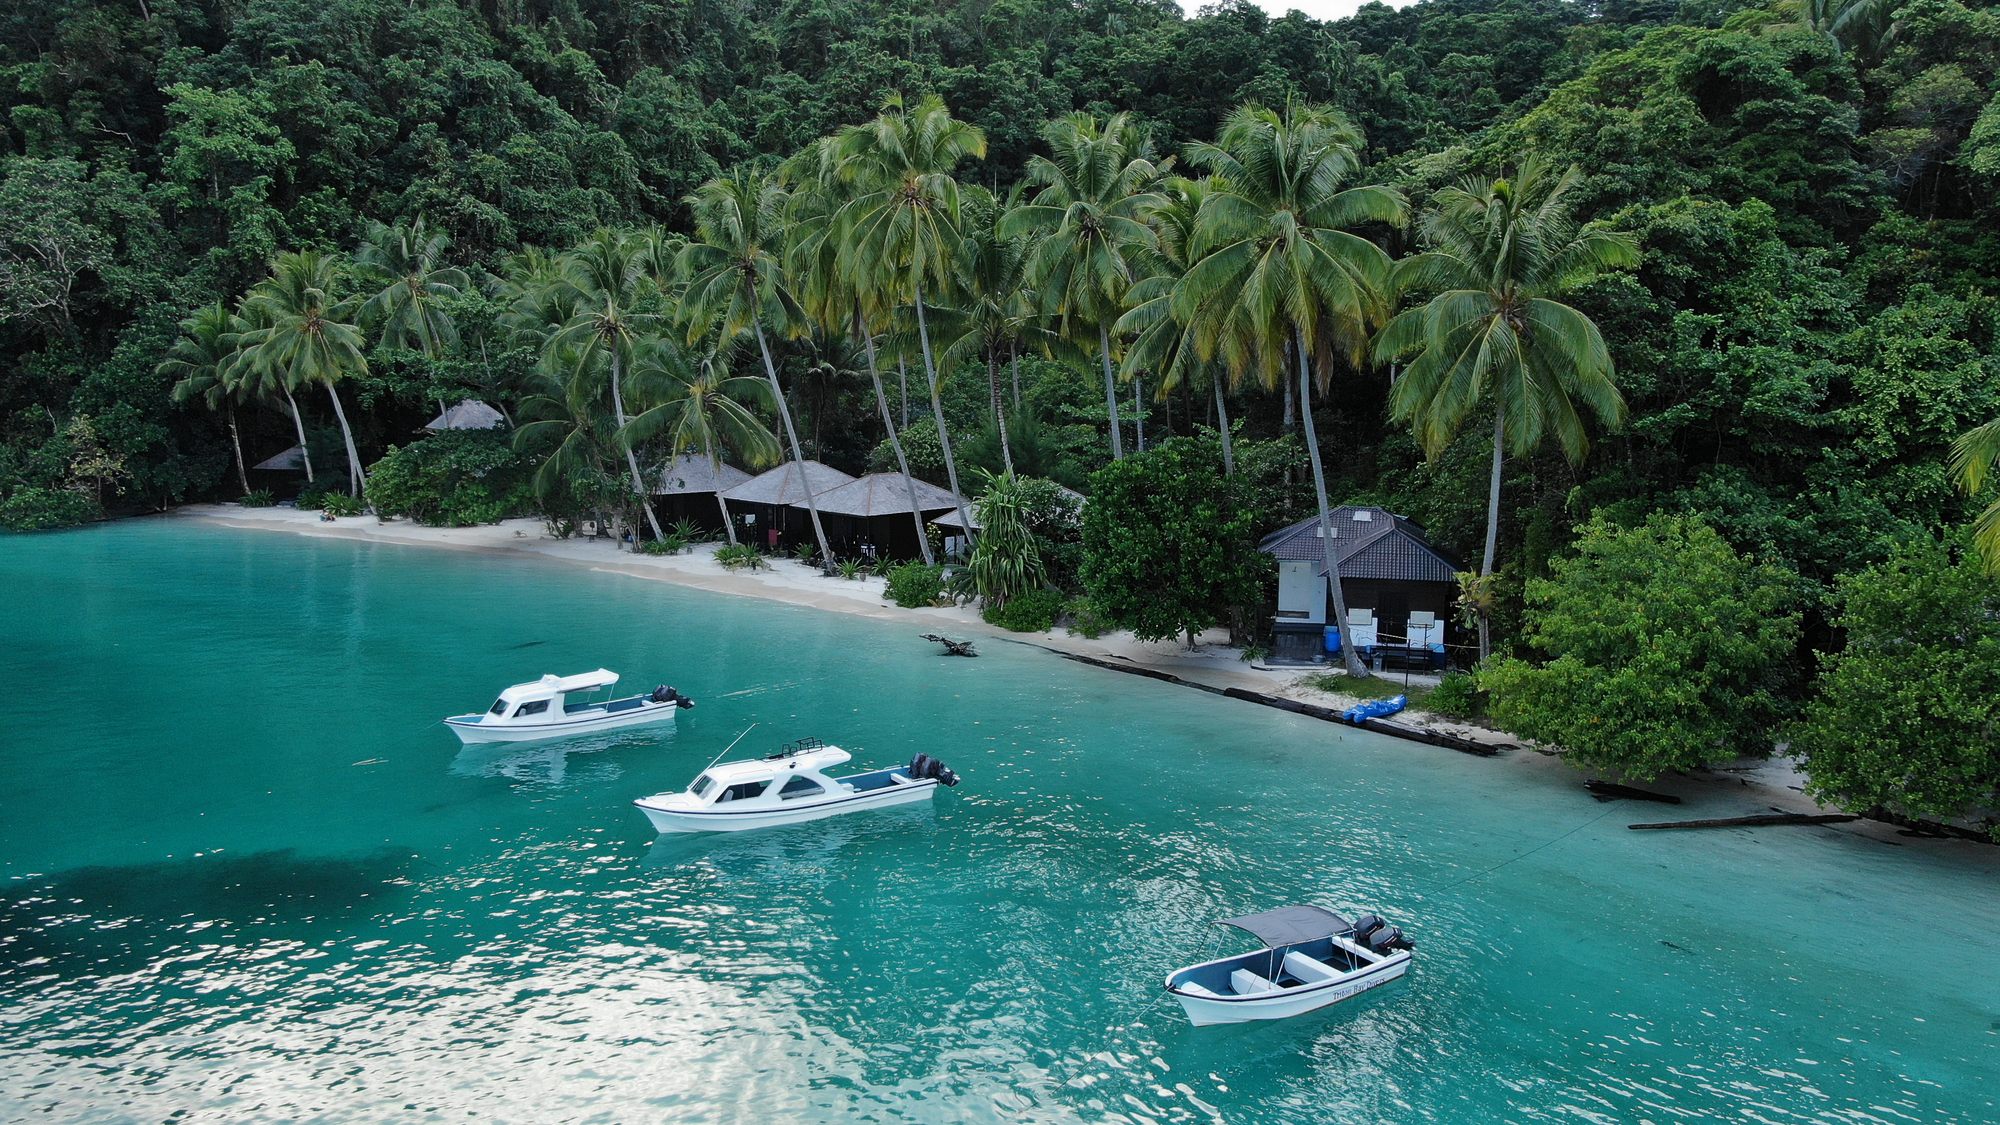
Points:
x=702 y=785
x=499 y=707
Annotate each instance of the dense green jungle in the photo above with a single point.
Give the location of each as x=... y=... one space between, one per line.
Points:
x=1775 y=222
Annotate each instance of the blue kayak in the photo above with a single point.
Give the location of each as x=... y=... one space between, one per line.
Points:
x=1376 y=708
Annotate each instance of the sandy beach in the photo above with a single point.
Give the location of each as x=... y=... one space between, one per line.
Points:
x=1757 y=786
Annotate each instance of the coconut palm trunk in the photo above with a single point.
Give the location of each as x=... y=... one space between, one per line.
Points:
x=1014 y=359
x=937 y=413
x=1349 y=655
x=728 y=525
x=896 y=443
x=1492 y=526
x=798 y=455
x=639 y=493
x=236 y=443
x=1139 y=411
x=999 y=416
x=299 y=424
x=1222 y=419
x=1110 y=393
x=359 y=481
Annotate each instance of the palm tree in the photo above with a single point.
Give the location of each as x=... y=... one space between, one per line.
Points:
x=610 y=319
x=835 y=299
x=200 y=357
x=1164 y=343
x=994 y=311
x=1973 y=456
x=1274 y=265
x=402 y=265
x=563 y=417
x=705 y=410
x=311 y=337
x=899 y=231
x=736 y=280
x=1499 y=254
x=1088 y=220
x=257 y=383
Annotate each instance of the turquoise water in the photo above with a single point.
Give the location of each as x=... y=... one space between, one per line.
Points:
x=248 y=878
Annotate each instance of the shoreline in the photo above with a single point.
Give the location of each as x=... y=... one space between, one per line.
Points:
x=1757 y=786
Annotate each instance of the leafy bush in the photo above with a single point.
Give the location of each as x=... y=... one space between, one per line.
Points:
x=452 y=478
x=320 y=487
x=673 y=544
x=1908 y=715
x=45 y=509
x=1666 y=650
x=805 y=552
x=261 y=498
x=914 y=585
x=341 y=504
x=1033 y=612
x=687 y=531
x=737 y=556
x=851 y=568
x=1457 y=696
x=1086 y=620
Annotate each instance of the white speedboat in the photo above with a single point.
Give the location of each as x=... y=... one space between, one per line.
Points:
x=789 y=787
x=543 y=709
x=1312 y=957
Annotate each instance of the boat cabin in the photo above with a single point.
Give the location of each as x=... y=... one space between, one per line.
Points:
x=794 y=773
x=1399 y=587
x=538 y=701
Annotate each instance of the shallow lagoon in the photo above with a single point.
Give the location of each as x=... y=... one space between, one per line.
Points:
x=248 y=877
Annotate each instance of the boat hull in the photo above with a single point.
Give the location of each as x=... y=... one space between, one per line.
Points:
x=1205 y=1011
x=469 y=729
x=713 y=820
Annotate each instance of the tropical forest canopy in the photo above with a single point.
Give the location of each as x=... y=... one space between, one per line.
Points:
x=1794 y=275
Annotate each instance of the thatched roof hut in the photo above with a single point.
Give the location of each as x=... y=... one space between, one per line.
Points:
x=691 y=473
x=782 y=486
x=881 y=494
x=469 y=414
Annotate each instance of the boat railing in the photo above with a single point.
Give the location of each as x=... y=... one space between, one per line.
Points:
x=793 y=749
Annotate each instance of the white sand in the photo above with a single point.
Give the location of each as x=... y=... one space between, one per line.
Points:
x=1757 y=786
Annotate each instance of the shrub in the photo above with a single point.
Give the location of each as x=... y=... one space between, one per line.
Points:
x=1005 y=561
x=261 y=498
x=1665 y=649
x=673 y=544
x=452 y=478
x=1908 y=713
x=1033 y=612
x=914 y=585
x=852 y=569
x=341 y=504
x=45 y=509
x=687 y=531
x=740 y=555
x=1086 y=620
x=1457 y=696
x=320 y=487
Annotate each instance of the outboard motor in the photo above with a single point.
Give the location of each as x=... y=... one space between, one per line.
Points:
x=923 y=766
x=1387 y=938
x=666 y=694
x=1365 y=925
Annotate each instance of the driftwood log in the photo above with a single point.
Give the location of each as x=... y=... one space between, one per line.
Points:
x=1760 y=820
x=1611 y=791
x=951 y=647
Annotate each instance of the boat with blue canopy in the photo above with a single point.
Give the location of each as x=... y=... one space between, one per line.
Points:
x=1311 y=958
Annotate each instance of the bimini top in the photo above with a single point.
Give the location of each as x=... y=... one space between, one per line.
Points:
x=550 y=685
x=1291 y=925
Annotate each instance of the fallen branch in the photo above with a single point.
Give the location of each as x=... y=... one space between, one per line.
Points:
x=951 y=647
x=1611 y=791
x=1758 y=821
